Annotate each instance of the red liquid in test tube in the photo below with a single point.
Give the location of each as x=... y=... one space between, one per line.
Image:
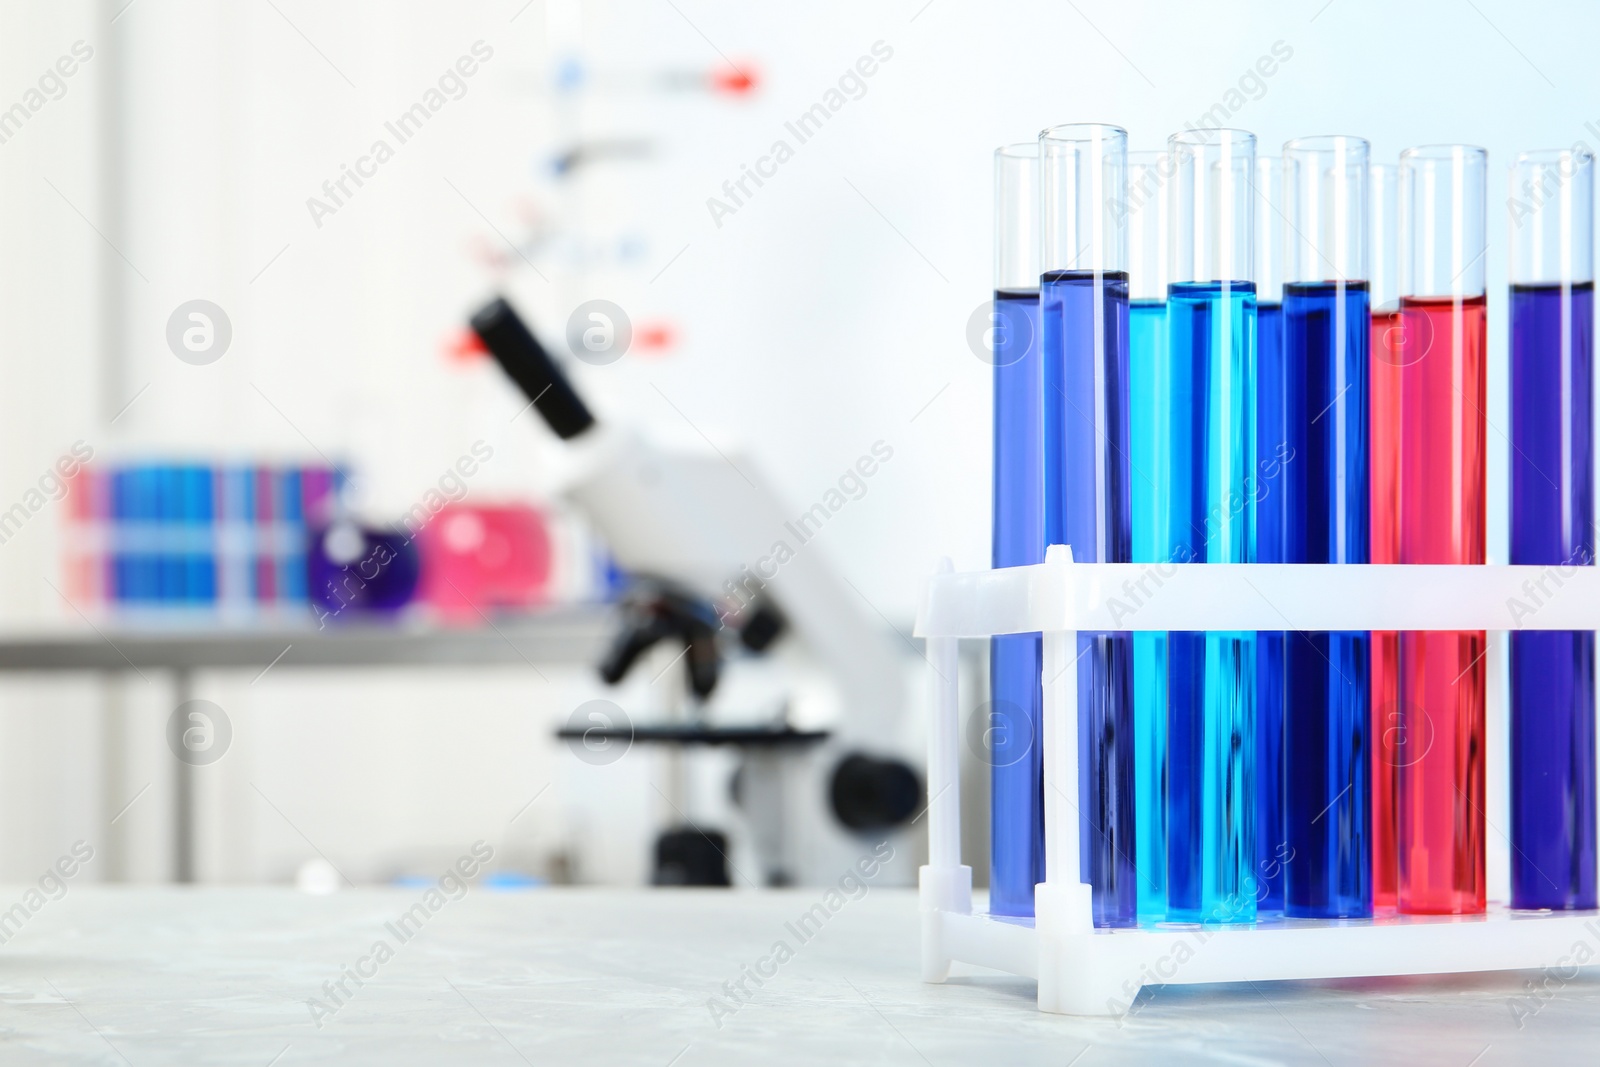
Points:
x=1387 y=727
x=1440 y=766
x=1431 y=393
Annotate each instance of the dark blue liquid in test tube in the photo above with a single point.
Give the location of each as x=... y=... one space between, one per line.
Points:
x=1272 y=519
x=1552 y=524
x=1084 y=321
x=1327 y=328
x=1016 y=862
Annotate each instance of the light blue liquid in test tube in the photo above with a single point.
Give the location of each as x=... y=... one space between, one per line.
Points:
x=1211 y=675
x=1149 y=448
x=1211 y=322
x=1149 y=489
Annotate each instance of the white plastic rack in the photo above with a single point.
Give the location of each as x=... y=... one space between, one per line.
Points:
x=1085 y=971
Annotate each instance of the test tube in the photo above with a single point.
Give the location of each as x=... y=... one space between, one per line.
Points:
x=1084 y=325
x=1384 y=262
x=1272 y=518
x=1211 y=322
x=1440 y=406
x=1327 y=329
x=1552 y=525
x=1016 y=862
x=1150 y=447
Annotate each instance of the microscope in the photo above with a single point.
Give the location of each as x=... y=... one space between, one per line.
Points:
x=689 y=529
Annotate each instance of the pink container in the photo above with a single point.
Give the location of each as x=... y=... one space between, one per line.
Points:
x=475 y=559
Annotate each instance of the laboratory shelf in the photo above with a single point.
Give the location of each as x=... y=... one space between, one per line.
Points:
x=558 y=635
x=1082 y=970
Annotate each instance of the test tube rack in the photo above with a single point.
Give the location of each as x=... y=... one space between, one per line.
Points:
x=1082 y=970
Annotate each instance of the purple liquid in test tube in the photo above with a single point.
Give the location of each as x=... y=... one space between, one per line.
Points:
x=1552 y=525
x=1015 y=755
x=1084 y=326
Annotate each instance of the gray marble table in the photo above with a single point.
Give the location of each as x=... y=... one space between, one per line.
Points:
x=172 y=975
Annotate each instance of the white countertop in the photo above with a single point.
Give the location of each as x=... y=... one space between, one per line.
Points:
x=142 y=976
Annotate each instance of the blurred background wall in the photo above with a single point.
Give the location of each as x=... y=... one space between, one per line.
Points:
x=805 y=317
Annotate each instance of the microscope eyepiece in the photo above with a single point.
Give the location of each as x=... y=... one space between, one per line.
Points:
x=538 y=375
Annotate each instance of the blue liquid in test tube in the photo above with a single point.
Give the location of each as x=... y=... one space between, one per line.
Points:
x=1211 y=323
x=1326 y=331
x=1271 y=532
x=1150 y=450
x=1552 y=524
x=1085 y=329
x=1272 y=523
x=1016 y=768
x=1084 y=324
x=1211 y=675
x=1327 y=326
x=1150 y=447
x=1552 y=695
x=1016 y=861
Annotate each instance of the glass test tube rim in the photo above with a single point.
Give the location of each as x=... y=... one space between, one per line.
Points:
x=1060 y=132
x=1267 y=268
x=1237 y=145
x=1106 y=250
x=1570 y=161
x=1383 y=258
x=1196 y=137
x=1550 y=155
x=1140 y=287
x=1150 y=157
x=1025 y=156
x=1326 y=149
x=1474 y=160
x=1193 y=136
x=1442 y=151
x=1324 y=142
